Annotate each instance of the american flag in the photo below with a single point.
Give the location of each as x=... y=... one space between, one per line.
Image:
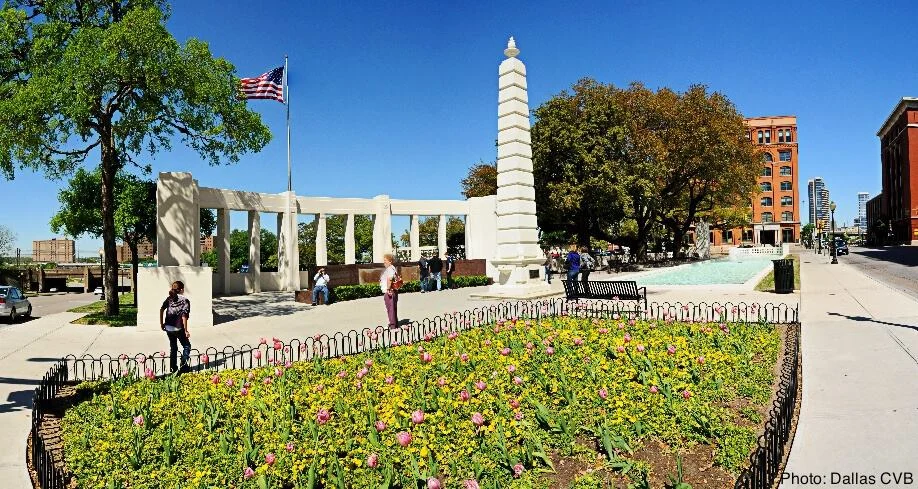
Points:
x=268 y=85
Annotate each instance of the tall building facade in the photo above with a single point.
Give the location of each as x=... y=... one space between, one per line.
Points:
x=54 y=250
x=824 y=212
x=862 y=198
x=776 y=206
x=899 y=162
x=145 y=249
x=818 y=197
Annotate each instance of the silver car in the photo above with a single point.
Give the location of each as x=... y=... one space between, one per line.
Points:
x=13 y=303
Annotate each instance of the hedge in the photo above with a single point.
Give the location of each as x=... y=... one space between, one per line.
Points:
x=342 y=293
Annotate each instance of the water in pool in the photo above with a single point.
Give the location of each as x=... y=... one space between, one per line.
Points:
x=711 y=272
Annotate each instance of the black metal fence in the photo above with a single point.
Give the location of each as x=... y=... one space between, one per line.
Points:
x=274 y=351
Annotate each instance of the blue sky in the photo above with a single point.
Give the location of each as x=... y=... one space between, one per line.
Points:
x=400 y=97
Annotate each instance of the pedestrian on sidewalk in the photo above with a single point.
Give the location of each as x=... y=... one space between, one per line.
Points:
x=547 y=265
x=450 y=268
x=320 y=282
x=587 y=264
x=177 y=308
x=573 y=264
x=436 y=269
x=424 y=273
x=389 y=283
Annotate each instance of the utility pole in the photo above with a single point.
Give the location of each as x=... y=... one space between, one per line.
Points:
x=18 y=252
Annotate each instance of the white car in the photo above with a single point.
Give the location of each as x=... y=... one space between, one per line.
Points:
x=13 y=303
x=98 y=291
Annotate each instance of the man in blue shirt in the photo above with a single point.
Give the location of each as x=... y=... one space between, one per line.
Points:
x=573 y=264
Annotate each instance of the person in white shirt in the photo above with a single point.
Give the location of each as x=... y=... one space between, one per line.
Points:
x=321 y=285
x=390 y=294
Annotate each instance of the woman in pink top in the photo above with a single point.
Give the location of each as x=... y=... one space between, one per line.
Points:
x=390 y=294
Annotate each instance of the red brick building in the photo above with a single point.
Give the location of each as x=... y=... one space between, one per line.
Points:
x=898 y=203
x=774 y=213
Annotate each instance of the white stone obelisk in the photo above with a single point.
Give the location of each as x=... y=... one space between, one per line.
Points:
x=518 y=257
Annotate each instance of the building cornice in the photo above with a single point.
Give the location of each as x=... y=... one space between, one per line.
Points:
x=904 y=103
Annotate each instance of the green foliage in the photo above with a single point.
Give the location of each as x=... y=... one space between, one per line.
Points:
x=481 y=180
x=239 y=251
x=7 y=238
x=127 y=313
x=806 y=235
x=335 y=226
x=734 y=447
x=362 y=291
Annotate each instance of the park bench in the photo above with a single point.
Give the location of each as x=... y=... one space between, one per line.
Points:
x=625 y=290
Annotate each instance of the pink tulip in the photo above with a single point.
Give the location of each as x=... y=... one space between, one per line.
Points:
x=632 y=322
x=205 y=358
x=441 y=381
x=267 y=381
x=420 y=348
x=578 y=341
x=342 y=374
x=278 y=372
x=289 y=446
x=148 y=373
x=627 y=338
x=518 y=415
x=229 y=382
x=517 y=380
x=428 y=336
x=380 y=426
x=390 y=380
x=248 y=473
x=686 y=394
x=257 y=354
x=505 y=351
x=511 y=368
x=546 y=342
x=433 y=483
x=278 y=345
x=404 y=438
x=671 y=350
x=603 y=393
x=654 y=389
x=426 y=357
x=514 y=403
x=270 y=459
x=368 y=362
x=620 y=349
x=478 y=419
x=320 y=387
x=518 y=470
x=417 y=417
x=123 y=356
x=487 y=342
x=480 y=385
x=373 y=461
x=243 y=392
x=323 y=416
x=603 y=330
x=138 y=421
x=470 y=484
x=621 y=325
x=362 y=373
x=529 y=346
x=141 y=358
x=250 y=376
x=549 y=351
x=288 y=364
x=263 y=341
x=701 y=360
x=640 y=348
x=464 y=357
x=453 y=335
x=464 y=395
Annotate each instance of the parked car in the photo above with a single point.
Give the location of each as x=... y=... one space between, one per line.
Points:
x=841 y=248
x=14 y=304
x=98 y=291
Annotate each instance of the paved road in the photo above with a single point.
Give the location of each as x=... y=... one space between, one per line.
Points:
x=47 y=305
x=895 y=266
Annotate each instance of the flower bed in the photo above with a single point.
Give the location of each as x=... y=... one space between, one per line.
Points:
x=528 y=403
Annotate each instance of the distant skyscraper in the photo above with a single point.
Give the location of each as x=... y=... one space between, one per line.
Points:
x=819 y=202
x=862 y=198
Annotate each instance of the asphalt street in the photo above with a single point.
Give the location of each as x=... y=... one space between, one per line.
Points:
x=895 y=266
x=46 y=305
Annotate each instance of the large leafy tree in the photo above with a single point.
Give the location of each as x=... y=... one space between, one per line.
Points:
x=135 y=218
x=481 y=180
x=6 y=241
x=81 y=79
x=239 y=250
x=429 y=229
x=575 y=162
x=335 y=226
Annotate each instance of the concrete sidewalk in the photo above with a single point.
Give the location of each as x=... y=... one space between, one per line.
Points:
x=27 y=350
x=859 y=414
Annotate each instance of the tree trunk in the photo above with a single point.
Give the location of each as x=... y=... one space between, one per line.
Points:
x=109 y=169
x=135 y=260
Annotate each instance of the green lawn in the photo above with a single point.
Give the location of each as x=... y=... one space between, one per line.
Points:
x=127 y=313
x=768 y=282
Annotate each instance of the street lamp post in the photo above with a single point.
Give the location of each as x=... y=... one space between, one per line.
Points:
x=832 y=239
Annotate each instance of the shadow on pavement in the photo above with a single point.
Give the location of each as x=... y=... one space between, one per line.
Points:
x=268 y=304
x=18 y=400
x=904 y=255
x=871 y=320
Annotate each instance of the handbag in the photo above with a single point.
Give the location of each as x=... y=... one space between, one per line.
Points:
x=397 y=282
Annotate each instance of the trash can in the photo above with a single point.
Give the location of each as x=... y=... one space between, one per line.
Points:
x=784 y=276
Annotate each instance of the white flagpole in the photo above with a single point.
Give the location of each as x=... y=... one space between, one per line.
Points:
x=287 y=102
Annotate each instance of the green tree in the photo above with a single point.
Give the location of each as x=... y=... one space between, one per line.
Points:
x=481 y=180
x=6 y=241
x=239 y=250
x=806 y=235
x=335 y=225
x=78 y=76
x=429 y=229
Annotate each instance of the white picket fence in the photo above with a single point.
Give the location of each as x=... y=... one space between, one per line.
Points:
x=759 y=252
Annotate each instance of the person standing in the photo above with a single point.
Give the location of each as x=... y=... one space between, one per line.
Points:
x=424 y=273
x=547 y=264
x=390 y=293
x=587 y=264
x=450 y=268
x=173 y=319
x=436 y=269
x=573 y=264
x=320 y=282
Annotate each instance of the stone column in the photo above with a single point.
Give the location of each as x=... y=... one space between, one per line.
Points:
x=254 y=275
x=288 y=258
x=321 y=241
x=382 y=228
x=178 y=227
x=414 y=238
x=349 y=245
x=518 y=257
x=222 y=246
x=441 y=236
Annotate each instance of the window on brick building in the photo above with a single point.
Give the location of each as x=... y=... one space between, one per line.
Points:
x=784 y=155
x=766 y=186
x=761 y=140
x=780 y=135
x=747 y=235
x=787 y=201
x=766 y=171
x=788 y=138
x=766 y=201
x=786 y=171
x=767 y=157
x=787 y=216
x=767 y=137
x=786 y=186
x=767 y=217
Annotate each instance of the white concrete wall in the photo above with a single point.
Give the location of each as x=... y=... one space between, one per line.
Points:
x=153 y=287
x=480 y=231
x=272 y=281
